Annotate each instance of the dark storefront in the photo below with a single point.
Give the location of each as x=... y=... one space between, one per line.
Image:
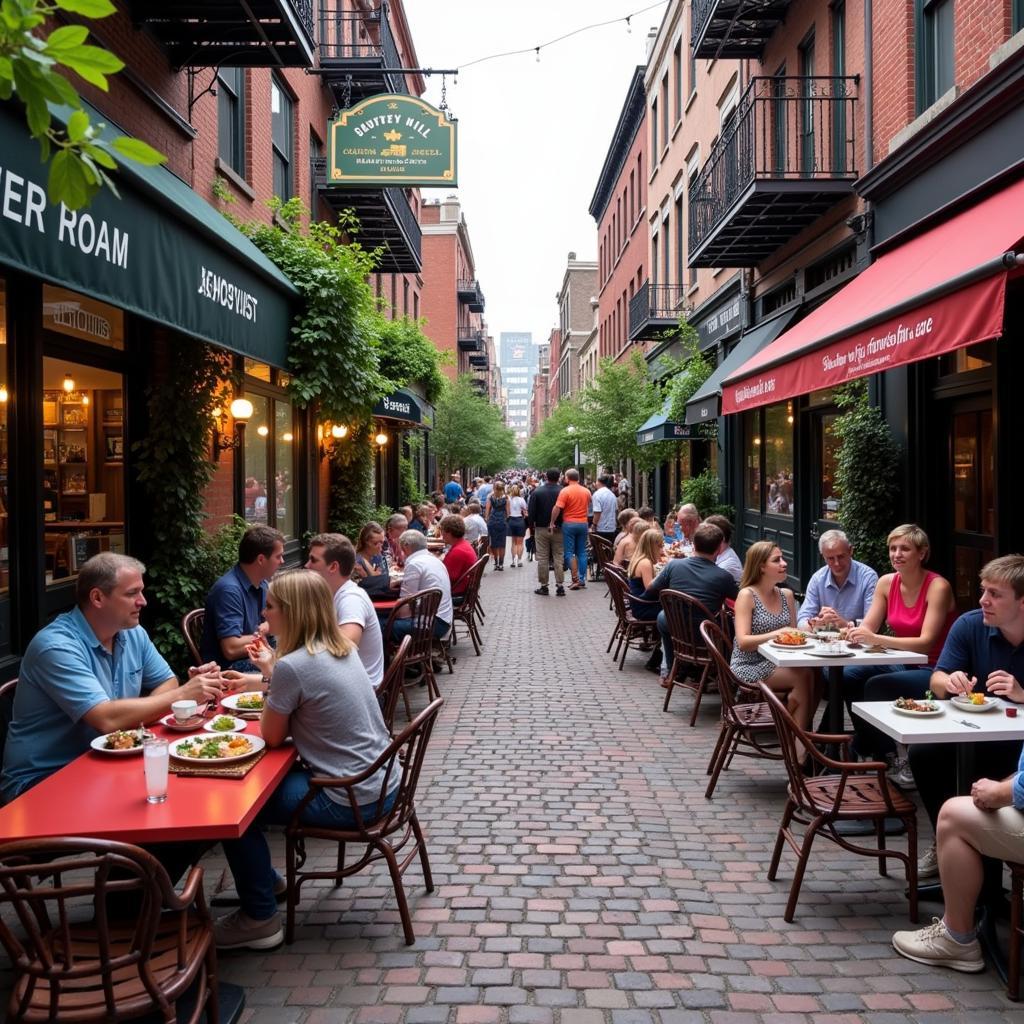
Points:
x=403 y=422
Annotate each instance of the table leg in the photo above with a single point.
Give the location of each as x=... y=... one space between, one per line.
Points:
x=835 y=699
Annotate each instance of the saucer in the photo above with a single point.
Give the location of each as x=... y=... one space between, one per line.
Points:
x=170 y=722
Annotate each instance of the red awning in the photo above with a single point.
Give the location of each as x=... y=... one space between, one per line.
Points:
x=940 y=291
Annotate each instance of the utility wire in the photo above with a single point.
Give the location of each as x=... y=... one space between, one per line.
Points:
x=568 y=35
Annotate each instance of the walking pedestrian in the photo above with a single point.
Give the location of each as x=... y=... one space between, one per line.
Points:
x=574 y=501
x=497 y=524
x=517 y=509
x=545 y=519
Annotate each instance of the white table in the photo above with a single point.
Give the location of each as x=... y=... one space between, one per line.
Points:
x=803 y=657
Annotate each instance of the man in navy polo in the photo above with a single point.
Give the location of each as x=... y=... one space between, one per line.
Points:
x=91 y=671
x=234 y=605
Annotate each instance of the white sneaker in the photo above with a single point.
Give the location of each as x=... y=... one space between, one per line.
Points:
x=928 y=864
x=901 y=774
x=936 y=947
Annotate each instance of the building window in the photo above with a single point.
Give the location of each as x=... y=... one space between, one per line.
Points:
x=692 y=192
x=680 y=242
x=677 y=71
x=269 y=452
x=1018 y=15
x=654 y=130
x=666 y=266
x=664 y=111
x=654 y=259
x=768 y=486
x=316 y=152
x=934 y=51
x=692 y=69
x=281 y=139
x=808 y=147
x=839 y=88
x=405 y=296
x=231 y=118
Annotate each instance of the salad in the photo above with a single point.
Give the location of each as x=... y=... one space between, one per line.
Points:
x=124 y=739
x=223 y=723
x=214 y=747
x=926 y=705
x=250 y=702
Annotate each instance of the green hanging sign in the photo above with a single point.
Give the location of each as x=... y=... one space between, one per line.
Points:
x=391 y=140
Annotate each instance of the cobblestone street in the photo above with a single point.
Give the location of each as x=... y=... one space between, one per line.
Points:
x=582 y=878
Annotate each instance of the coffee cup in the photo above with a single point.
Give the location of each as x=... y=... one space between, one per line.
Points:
x=184 y=710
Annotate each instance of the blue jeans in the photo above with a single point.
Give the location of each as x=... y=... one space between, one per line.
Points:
x=574 y=537
x=403 y=627
x=249 y=856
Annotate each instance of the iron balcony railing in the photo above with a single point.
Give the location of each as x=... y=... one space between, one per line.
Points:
x=304 y=10
x=655 y=308
x=471 y=339
x=792 y=130
x=734 y=28
x=470 y=292
x=364 y=38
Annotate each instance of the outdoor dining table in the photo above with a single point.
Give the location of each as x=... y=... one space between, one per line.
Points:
x=103 y=796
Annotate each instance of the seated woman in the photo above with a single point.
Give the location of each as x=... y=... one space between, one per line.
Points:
x=625 y=548
x=764 y=609
x=918 y=606
x=643 y=567
x=422 y=518
x=460 y=556
x=321 y=696
x=371 y=568
x=623 y=519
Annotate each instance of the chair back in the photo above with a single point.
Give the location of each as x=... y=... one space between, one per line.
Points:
x=619 y=590
x=47 y=884
x=421 y=607
x=719 y=646
x=192 y=631
x=789 y=735
x=391 y=685
x=482 y=545
x=684 y=614
x=6 y=712
x=471 y=595
x=602 y=549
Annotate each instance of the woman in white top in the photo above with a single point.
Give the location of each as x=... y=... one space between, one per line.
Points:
x=516 y=524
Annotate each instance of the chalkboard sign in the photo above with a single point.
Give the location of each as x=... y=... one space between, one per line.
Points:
x=83 y=547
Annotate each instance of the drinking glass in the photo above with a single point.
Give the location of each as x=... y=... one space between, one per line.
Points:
x=155 y=761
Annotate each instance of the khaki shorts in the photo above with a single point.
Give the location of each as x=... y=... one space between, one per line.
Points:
x=997 y=834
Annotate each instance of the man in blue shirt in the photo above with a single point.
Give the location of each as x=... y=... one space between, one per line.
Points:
x=483 y=492
x=453 y=490
x=234 y=605
x=841 y=590
x=91 y=671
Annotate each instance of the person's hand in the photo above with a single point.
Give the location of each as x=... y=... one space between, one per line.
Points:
x=263 y=629
x=395 y=584
x=359 y=572
x=960 y=683
x=235 y=680
x=206 y=669
x=988 y=795
x=203 y=689
x=1001 y=684
x=261 y=654
x=862 y=635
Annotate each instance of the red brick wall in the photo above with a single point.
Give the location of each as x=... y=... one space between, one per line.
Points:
x=440 y=305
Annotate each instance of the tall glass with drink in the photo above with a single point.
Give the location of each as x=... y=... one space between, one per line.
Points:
x=155 y=762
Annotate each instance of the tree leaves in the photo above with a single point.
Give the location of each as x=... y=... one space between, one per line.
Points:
x=137 y=150
x=469 y=431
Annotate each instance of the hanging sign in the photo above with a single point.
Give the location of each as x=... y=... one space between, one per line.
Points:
x=391 y=140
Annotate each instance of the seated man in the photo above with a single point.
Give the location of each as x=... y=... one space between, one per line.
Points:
x=840 y=592
x=476 y=525
x=460 y=556
x=333 y=557
x=984 y=652
x=91 y=671
x=234 y=605
x=423 y=571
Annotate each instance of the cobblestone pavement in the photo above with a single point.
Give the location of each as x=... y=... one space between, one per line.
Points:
x=582 y=878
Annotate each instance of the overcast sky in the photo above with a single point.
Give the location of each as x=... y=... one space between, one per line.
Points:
x=532 y=137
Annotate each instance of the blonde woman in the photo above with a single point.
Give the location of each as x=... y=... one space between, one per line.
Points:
x=517 y=509
x=625 y=548
x=321 y=696
x=642 y=569
x=764 y=608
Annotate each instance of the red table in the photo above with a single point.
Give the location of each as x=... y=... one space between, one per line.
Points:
x=103 y=796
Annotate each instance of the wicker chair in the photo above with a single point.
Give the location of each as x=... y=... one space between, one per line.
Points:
x=422 y=609
x=71 y=963
x=467 y=611
x=851 y=791
x=391 y=685
x=684 y=615
x=629 y=630
x=7 y=692
x=385 y=837
x=192 y=631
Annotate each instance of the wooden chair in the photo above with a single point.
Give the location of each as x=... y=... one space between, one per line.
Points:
x=684 y=615
x=391 y=685
x=629 y=630
x=601 y=554
x=1016 y=929
x=851 y=791
x=7 y=692
x=71 y=963
x=746 y=719
x=384 y=836
x=192 y=631
x=422 y=608
x=466 y=612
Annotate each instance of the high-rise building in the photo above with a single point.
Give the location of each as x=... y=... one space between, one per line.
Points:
x=517 y=357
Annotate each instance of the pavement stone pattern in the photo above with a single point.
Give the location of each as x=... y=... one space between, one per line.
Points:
x=581 y=876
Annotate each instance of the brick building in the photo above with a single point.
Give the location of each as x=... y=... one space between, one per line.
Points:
x=540 y=396
x=575 y=320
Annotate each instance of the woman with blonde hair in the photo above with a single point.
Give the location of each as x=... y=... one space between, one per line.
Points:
x=517 y=509
x=764 y=609
x=627 y=544
x=320 y=695
x=642 y=569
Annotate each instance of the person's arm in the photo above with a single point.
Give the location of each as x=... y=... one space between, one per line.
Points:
x=282 y=699
x=646 y=572
x=811 y=605
x=487 y=508
x=128 y=712
x=954 y=672
x=556 y=508
x=940 y=602
x=229 y=617
x=745 y=639
x=236 y=680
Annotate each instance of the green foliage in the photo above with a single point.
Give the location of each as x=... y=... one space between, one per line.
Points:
x=173 y=466
x=469 y=431
x=552 y=446
x=867 y=467
x=408 y=356
x=705 y=491
x=351 y=479
x=30 y=64
x=682 y=377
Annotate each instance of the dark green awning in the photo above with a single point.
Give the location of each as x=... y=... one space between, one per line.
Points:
x=159 y=251
x=660 y=428
x=405 y=406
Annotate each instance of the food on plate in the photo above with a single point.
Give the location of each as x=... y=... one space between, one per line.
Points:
x=908 y=704
x=223 y=723
x=250 y=702
x=977 y=699
x=791 y=638
x=214 y=747
x=123 y=739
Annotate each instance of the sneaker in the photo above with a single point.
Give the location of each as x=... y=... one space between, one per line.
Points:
x=542 y=590
x=936 y=947
x=928 y=864
x=559 y=591
x=901 y=774
x=577 y=585
x=239 y=931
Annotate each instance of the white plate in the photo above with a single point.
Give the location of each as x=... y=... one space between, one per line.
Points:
x=966 y=705
x=237 y=725
x=790 y=647
x=193 y=724
x=256 y=741
x=826 y=654
x=939 y=710
x=97 y=745
x=231 y=703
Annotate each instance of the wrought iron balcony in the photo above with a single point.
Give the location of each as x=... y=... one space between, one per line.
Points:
x=471 y=339
x=386 y=220
x=230 y=33
x=358 y=53
x=478 y=360
x=786 y=156
x=656 y=308
x=471 y=293
x=734 y=28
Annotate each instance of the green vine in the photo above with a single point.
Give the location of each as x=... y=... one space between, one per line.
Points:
x=408 y=356
x=351 y=501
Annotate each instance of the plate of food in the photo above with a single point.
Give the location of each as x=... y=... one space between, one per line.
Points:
x=926 y=708
x=974 y=702
x=190 y=725
x=225 y=723
x=120 y=742
x=791 y=638
x=249 y=702
x=220 y=749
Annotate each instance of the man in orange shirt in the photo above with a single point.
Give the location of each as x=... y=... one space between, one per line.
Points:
x=574 y=501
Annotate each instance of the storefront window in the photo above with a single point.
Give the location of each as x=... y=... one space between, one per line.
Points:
x=4 y=457
x=256 y=482
x=963 y=360
x=778 y=458
x=270 y=462
x=283 y=448
x=752 y=467
x=83 y=465
x=831 y=497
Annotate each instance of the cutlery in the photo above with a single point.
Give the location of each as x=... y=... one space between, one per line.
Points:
x=970 y=725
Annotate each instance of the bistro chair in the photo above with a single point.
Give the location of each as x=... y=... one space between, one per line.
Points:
x=1016 y=929
x=385 y=835
x=72 y=963
x=391 y=685
x=746 y=719
x=600 y=553
x=618 y=571
x=684 y=615
x=851 y=791
x=7 y=692
x=192 y=631
x=422 y=608
x=629 y=630
x=466 y=611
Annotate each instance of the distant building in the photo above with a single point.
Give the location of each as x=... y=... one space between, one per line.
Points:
x=517 y=357
x=540 y=397
x=575 y=318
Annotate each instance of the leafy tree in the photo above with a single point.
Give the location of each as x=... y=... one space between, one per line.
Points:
x=469 y=431
x=683 y=377
x=408 y=356
x=29 y=67
x=553 y=445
